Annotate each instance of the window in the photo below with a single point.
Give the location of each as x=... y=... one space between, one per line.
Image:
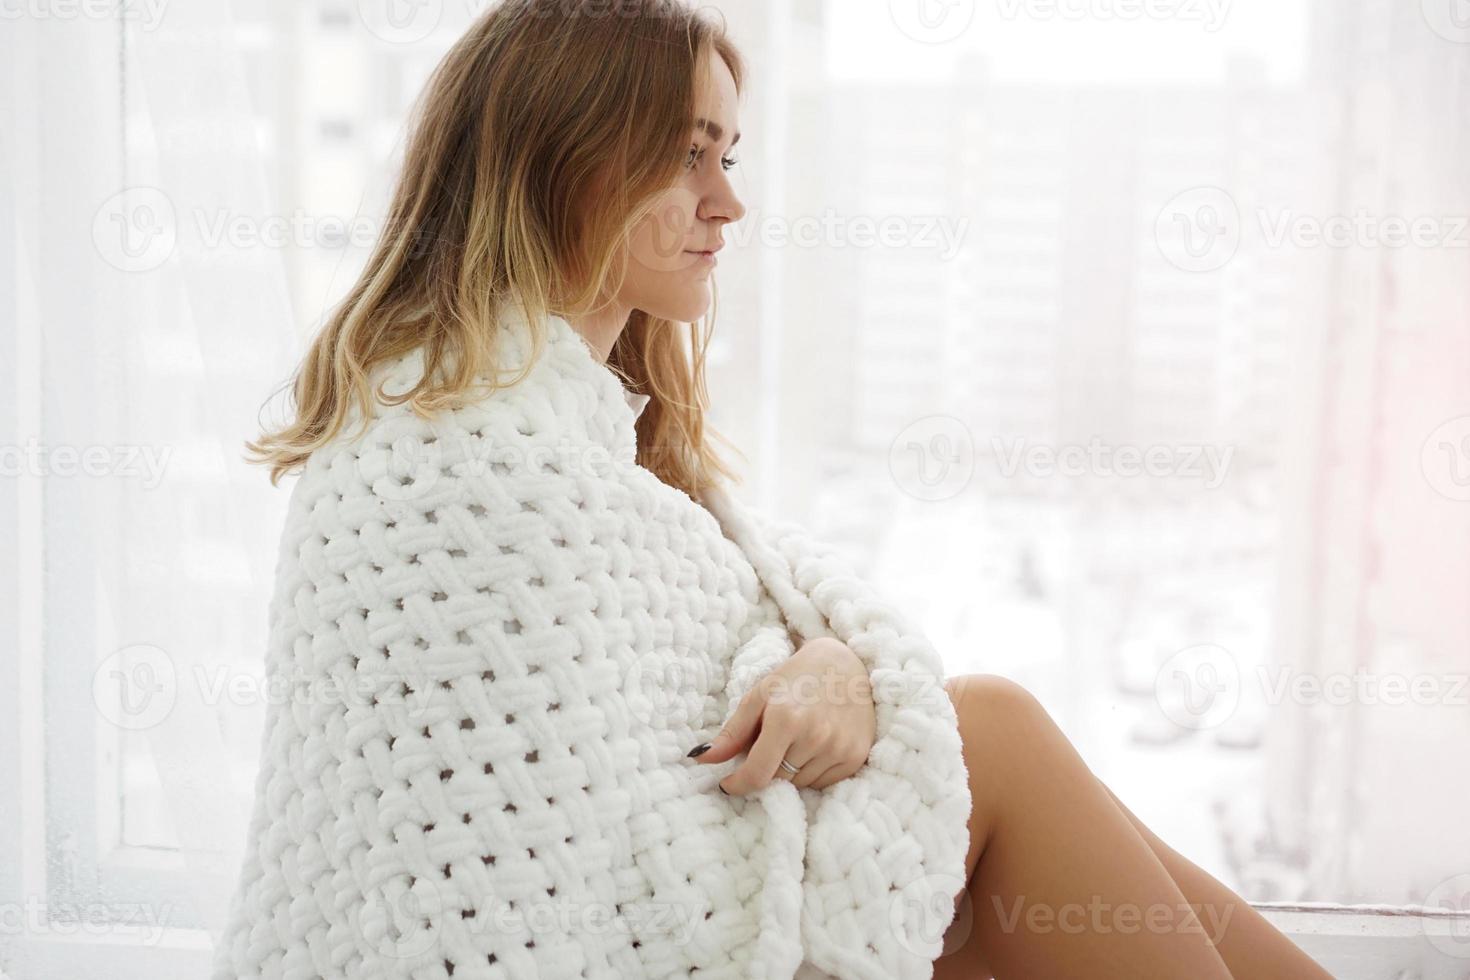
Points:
x=1122 y=242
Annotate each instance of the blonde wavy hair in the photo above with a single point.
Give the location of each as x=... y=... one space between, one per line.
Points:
x=540 y=142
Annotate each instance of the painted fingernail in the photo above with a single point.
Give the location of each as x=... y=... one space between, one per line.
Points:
x=699 y=750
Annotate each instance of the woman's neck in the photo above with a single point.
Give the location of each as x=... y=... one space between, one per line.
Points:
x=602 y=329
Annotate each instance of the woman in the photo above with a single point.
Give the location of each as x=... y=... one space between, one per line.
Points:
x=498 y=547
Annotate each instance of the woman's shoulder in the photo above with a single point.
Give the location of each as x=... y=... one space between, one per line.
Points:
x=538 y=391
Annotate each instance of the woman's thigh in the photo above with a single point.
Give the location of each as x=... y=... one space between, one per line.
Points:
x=1058 y=875
x=969 y=692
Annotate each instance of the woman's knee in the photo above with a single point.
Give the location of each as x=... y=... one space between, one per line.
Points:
x=996 y=717
x=990 y=699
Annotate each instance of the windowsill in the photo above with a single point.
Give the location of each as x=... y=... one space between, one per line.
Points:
x=120 y=953
x=1351 y=942
x=1375 y=942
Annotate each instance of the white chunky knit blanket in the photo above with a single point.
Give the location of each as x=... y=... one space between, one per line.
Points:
x=504 y=636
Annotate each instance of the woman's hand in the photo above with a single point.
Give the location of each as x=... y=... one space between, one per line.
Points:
x=815 y=711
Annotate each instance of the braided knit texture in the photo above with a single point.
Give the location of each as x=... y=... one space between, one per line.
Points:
x=502 y=637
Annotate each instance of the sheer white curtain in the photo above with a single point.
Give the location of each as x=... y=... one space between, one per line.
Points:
x=1128 y=345
x=991 y=250
x=140 y=345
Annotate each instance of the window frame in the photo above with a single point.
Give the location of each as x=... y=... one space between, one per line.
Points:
x=66 y=752
x=66 y=771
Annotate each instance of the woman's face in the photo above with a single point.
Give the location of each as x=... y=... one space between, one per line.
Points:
x=671 y=253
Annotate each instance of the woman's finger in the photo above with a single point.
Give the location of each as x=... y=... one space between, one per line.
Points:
x=773 y=741
x=807 y=760
x=811 y=771
x=738 y=731
x=832 y=774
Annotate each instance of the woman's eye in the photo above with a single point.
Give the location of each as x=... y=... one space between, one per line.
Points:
x=696 y=153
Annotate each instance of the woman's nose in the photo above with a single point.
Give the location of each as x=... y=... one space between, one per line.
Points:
x=724 y=204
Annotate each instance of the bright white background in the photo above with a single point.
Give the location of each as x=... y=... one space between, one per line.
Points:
x=998 y=253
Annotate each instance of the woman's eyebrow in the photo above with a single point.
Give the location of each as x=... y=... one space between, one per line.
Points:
x=715 y=130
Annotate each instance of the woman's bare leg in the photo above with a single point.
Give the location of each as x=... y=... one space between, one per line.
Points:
x=1062 y=885
x=1065 y=882
x=1251 y=945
